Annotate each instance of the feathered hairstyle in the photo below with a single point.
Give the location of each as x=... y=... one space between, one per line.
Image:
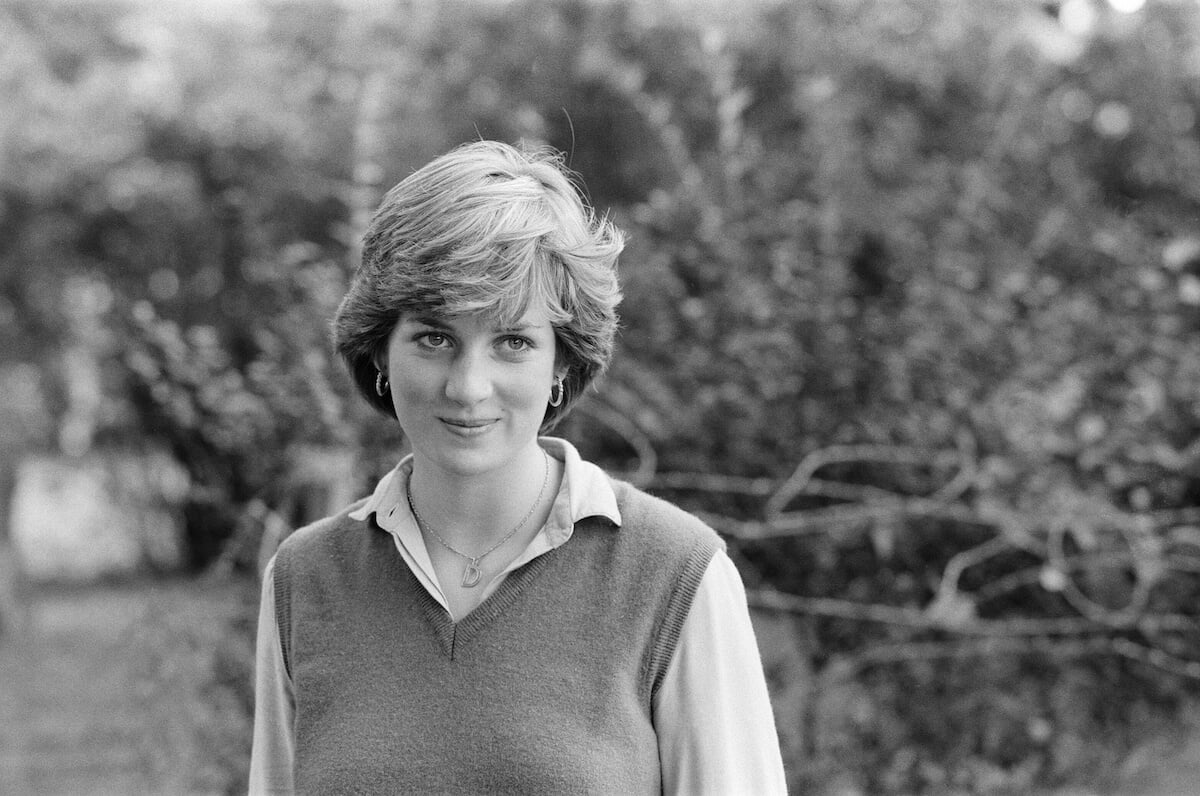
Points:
x=486 y=228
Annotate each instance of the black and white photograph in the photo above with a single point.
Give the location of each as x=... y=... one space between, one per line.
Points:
x=612 y=397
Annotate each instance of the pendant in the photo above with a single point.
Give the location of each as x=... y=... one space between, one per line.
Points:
x=471 y=575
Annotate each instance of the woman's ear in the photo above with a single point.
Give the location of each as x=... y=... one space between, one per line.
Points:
x=380 y=356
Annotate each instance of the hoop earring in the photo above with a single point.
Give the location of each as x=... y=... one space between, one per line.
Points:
x=381 y=384
x=557 y=392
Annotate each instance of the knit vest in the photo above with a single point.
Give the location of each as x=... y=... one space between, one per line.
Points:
x=545 y=688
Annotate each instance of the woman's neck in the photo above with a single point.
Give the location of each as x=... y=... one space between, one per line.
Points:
x=470 y=511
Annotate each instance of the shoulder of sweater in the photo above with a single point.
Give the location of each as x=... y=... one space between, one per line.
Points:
x=663 y=519
x=324 y=530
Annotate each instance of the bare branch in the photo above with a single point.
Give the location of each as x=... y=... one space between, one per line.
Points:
x=711 y=482
x=968 y=472
x=767 y=599
x=969 y=558
x=832 y=518
x=849 y=665
x=951 y=610
x=851 y=493
x=637 y=439
x=1085 y=604
x=1187 y=536
x=835 y=454
x=1156 y=657
x=1032 y=576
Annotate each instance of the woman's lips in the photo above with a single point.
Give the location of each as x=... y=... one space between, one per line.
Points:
x=468 y=427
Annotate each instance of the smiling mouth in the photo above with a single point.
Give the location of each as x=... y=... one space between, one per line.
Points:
x=467 y=426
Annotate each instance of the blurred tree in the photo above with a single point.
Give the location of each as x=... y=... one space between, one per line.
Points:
x=55 y=71
x=910 y=309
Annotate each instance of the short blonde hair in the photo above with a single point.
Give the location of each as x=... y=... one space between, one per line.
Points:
x=486 y=228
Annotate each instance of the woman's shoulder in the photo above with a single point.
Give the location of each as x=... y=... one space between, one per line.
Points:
x=661 y=519
x=322 y=533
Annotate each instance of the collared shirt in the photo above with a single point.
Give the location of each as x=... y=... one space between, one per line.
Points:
x=712 y=714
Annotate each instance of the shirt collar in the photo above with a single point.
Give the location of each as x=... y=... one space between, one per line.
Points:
x=585 y=492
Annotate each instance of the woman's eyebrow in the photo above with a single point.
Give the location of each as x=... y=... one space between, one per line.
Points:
x=429 y=320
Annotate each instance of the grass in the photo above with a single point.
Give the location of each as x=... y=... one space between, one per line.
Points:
x=129 y=688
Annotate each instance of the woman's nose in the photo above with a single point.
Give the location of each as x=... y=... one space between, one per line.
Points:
x=469 y=380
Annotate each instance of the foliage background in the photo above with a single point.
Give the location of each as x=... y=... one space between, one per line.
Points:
x=913 y=299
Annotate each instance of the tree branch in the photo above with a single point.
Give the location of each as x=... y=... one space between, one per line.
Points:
x=920 y=619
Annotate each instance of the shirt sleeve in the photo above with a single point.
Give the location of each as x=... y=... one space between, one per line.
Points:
x=712 y=713
x=273 y=749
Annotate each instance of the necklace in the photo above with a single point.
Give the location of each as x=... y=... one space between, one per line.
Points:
x=472 y=575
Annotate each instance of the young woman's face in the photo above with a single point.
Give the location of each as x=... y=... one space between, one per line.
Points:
x=470 y=394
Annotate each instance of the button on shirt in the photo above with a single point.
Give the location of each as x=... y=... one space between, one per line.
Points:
x=712 y=715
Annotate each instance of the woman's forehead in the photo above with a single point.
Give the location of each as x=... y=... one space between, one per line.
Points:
x=534 y=316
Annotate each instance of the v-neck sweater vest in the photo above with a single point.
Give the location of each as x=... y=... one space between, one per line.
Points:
x=545 y=688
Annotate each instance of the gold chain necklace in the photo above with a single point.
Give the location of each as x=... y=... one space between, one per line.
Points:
x=472 y=575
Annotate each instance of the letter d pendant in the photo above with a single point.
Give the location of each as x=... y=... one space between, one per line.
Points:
x=471 y=574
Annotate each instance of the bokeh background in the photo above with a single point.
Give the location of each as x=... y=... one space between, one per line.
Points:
x=912 y=314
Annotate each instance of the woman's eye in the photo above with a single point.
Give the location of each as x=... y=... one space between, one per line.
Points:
x=516 y=344
x=432 y=339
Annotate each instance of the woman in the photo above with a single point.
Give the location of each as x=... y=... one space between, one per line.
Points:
x=499 y=616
